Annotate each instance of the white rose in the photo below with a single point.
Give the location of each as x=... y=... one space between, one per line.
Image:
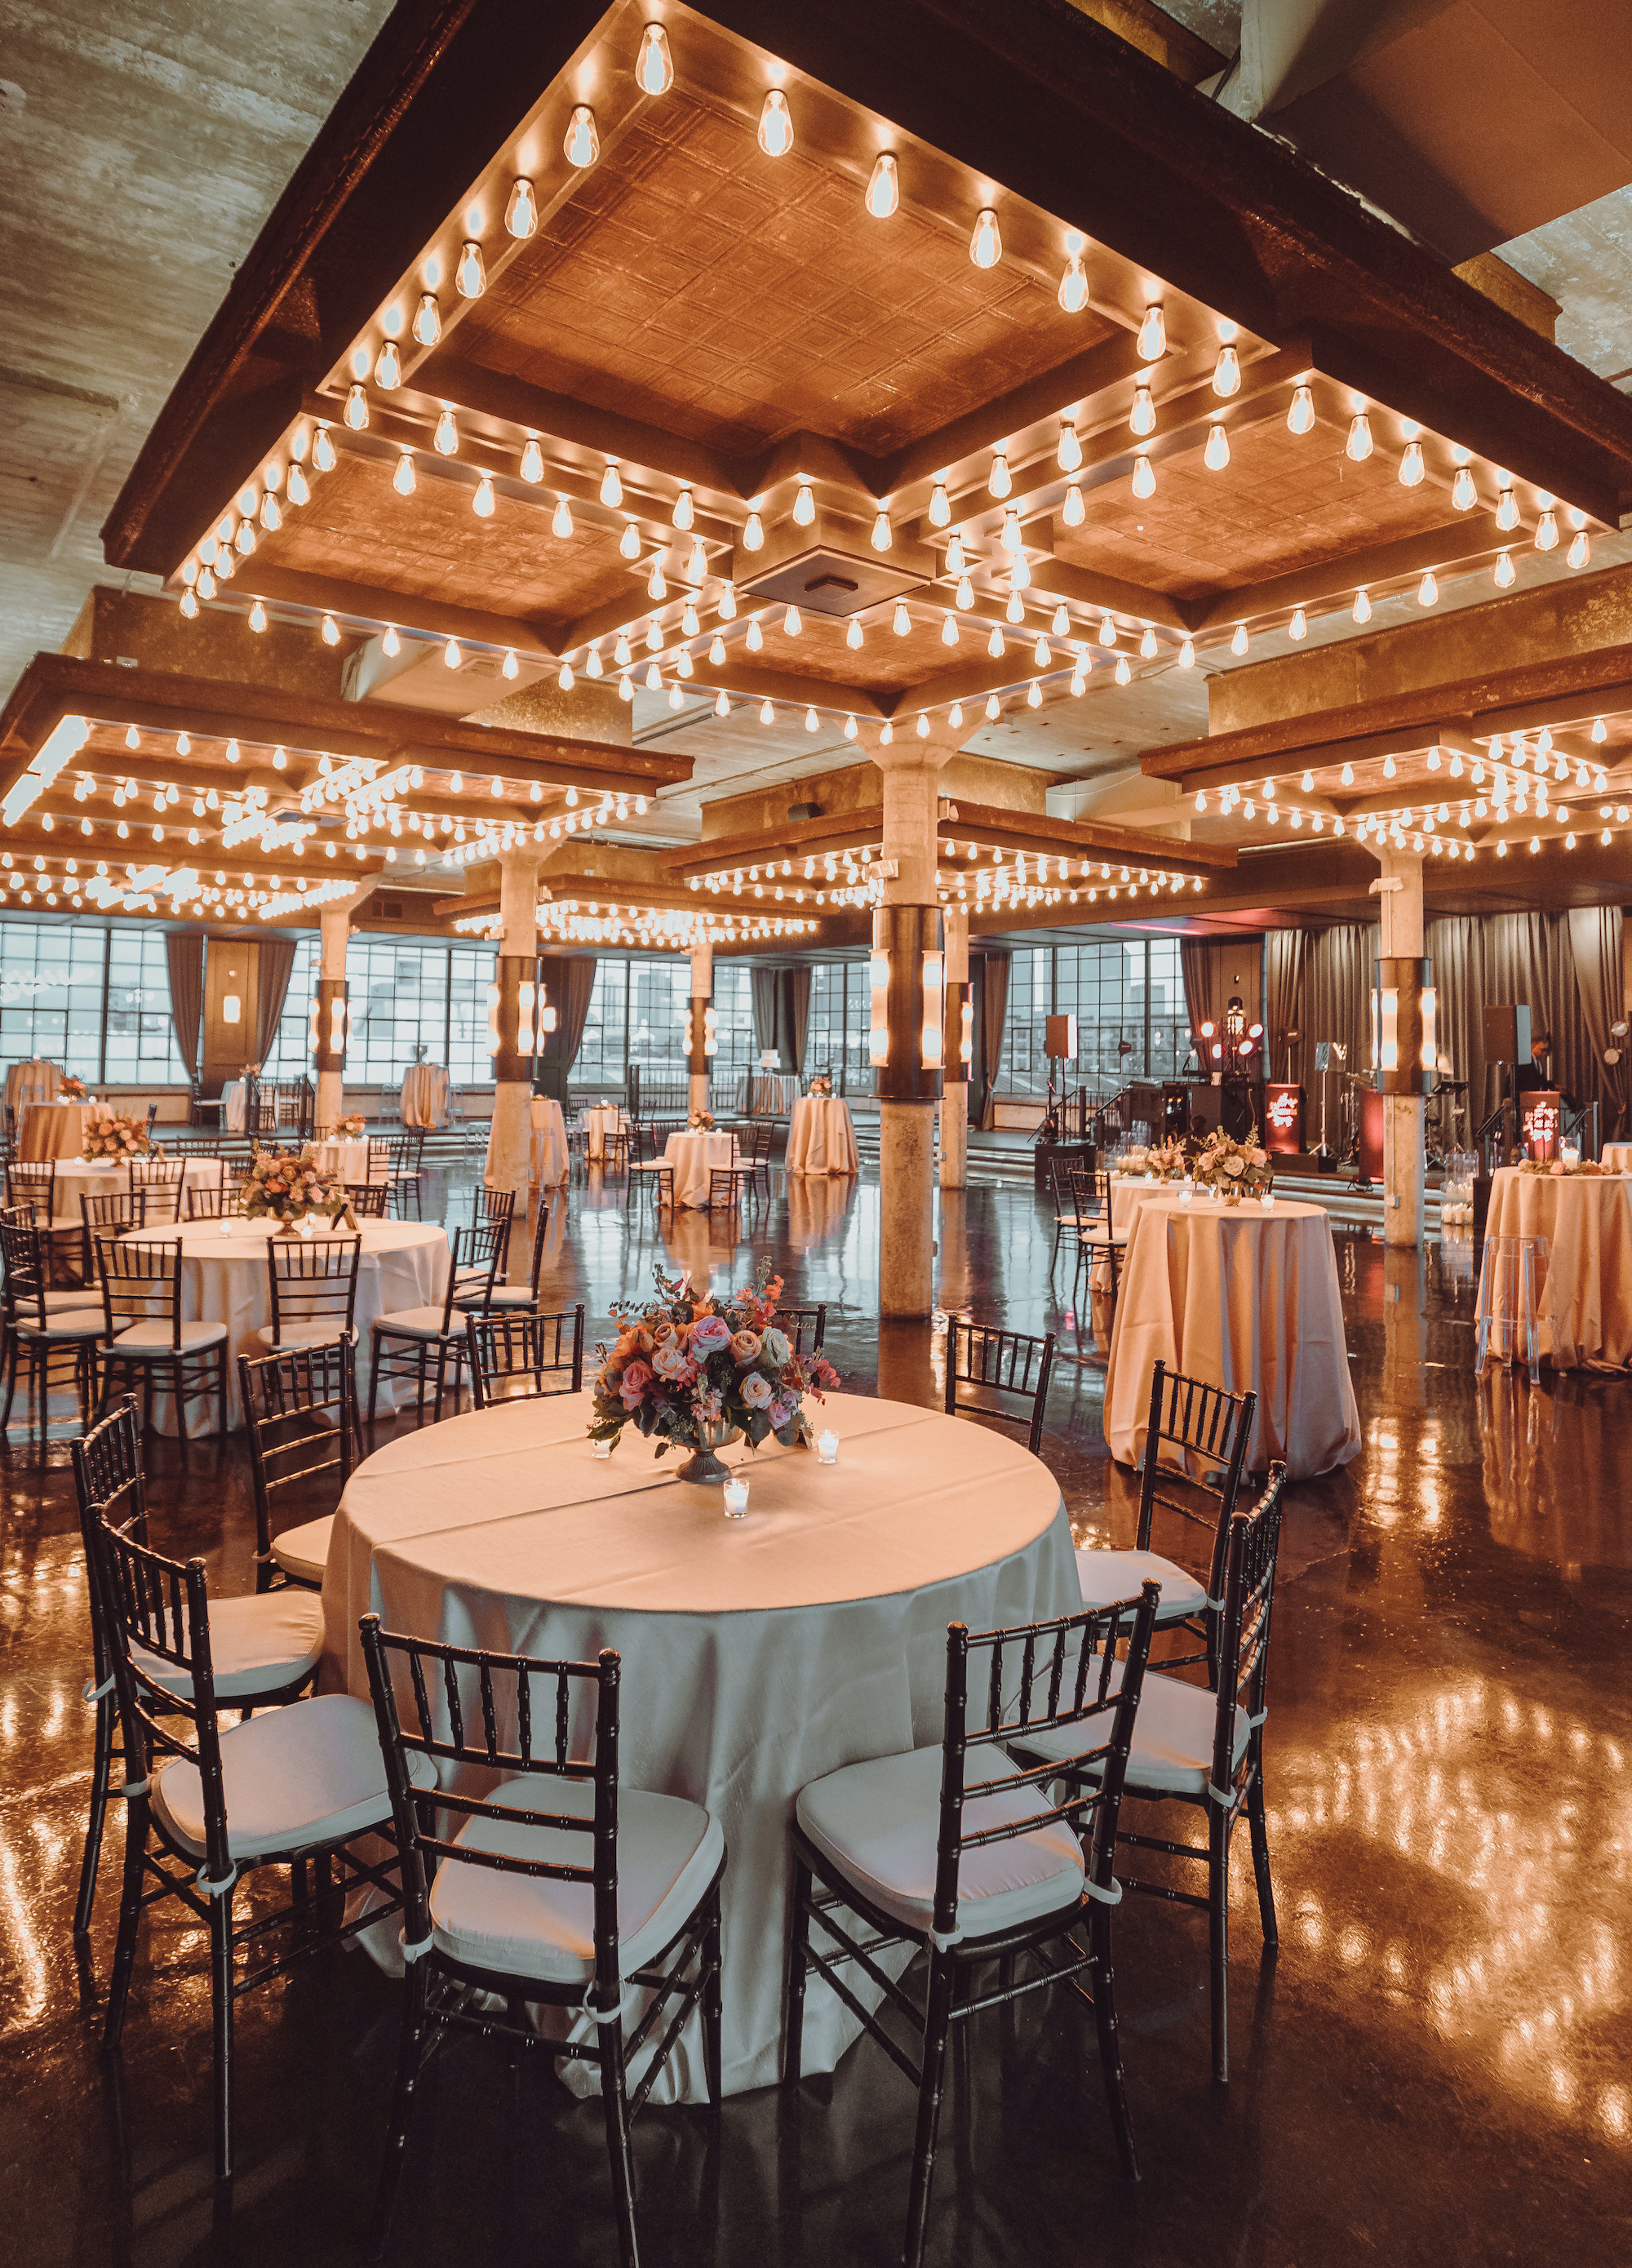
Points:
x=775 y=1346
x=1235 y=1168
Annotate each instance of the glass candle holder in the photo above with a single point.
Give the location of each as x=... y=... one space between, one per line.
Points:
x=828 y=1447
x=1570 y=1155
x=736 y=1499
x=1186 y=1195
x=1268 y=1200
x=600 y=1449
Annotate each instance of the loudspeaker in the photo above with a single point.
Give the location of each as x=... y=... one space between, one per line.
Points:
x=1507 y=1033
x=1060 y=1037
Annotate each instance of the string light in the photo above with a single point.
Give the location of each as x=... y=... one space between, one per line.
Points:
x=1298 y=627
x=654 y=66
x=1216 y=456
x=1068 y=453
x=1141 y=414
x=884 y=188
x=388 y=366
x=391 y=644
x=1300 y=410
x=1227 y=373
x=581 y=144
x=521 y=214
x=1357 y=447
x=986 y=242
x=753 y=533
x=1580 y=550
x=1152 y=340
x=804 y=504
x=775 y=135
x=427 y=320
x=1506 y=572
x=561 y=518
x=356 y=409
x=1547 y=532
x=482 y=503
x=998 y=480
x=1238 y=643
x=1143 y=478
x=1427 y=590
x=684 y=512
x=444 y=439
x=470 y=277
x=1187 y=654
x=331 y=630
x=1073 y=293
x=1464 y=494
x=1073 y=511
x=1412 y=468
x=1507 y=512
x=883 y=535
x=257 y=616
x=629 y=542
x=1363 y=605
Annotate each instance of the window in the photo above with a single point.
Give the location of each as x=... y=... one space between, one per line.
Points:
x=1023 y=1068
x=51 y=990
x=1170 y=1019
x=600 y=1058
x=734 y=1052
x=1127 y=994
x=660 y=992
x=290 y=1053
x=470 y=972
x=398 y=1007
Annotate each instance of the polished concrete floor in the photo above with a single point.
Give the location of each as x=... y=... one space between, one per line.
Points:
x=1437 y=2067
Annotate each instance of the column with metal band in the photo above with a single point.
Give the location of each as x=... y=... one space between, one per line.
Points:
x=700 y=1026
x=908 y=1046
x=955 y=1038
x=331 y=1015
x=1403 y=1022
x=515 y=987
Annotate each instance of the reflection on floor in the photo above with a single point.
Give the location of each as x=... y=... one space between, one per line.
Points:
x=1436 y=2068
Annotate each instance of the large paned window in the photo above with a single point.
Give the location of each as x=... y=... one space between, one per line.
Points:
x=602 y=1052
x=659 y=991
x=470 y=972
x=1127 y=994
x=141 y=1038
x=398 y=1006
x=51 y=982
x=734 y=1050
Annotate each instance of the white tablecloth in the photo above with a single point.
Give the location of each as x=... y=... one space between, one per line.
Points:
x=234 y=1105
x=349 y=1159
x=757 y=1656
x=549 y=1141
x=1617 y=1156
x=822 y=1137
x=425 y=1096
x=83 y=1177
x=1237 y=1297
x=1584 y=1289
x=55 y=1129
x=772 y=1093
x=599 y=1120
x=693 y=1157
x=404 y=1263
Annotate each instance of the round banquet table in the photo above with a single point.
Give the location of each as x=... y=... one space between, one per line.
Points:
x=55 y=1129
x=757 y=1655
x=100 y=1177
x=1584 y=1288
x=821 y=1137
x=1237 y=1297
x=549 y=1141
x=693 y=1157
x=347 y=1160
x=35 y=1081
x=1617 y=1156
x=404 y=1263
x=599 y=1120
x=425 y=1096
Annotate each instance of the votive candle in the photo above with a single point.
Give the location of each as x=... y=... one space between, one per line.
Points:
x=828 y=1447
x=736 y=1499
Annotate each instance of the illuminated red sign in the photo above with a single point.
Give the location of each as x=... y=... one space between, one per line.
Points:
x=1284 y=1119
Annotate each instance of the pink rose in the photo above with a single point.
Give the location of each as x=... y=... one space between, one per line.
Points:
x=780 y=1412
x=637 y=1379
x=669 y=1362
x=709 y=1336
x=757 y=1391
x=744 y=1346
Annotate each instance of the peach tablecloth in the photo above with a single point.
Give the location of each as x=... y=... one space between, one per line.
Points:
x=549 y=1141
x=1617 y=1156
x=1583 y=1290
x=97 y=1177
x=599 y=1120
x=349 y=1159
x=821 y=1137
x=757 y=1656
x=55 y=1130
x=693 y=1157
x=35 y=1081
x=425 y=1096
x=1237 y=1297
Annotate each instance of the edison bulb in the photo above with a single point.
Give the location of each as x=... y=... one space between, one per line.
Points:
x=949 y=630
x=883 y=535
x=1142 y=417
x=1074 y=285
x=1124 y=674
x=1506 y=571
x=1216 y=456
x=965 y=594
x=657 y=586
x=792 y=625
x=1412 y=469
x=611 y=489
x=629 y=542
x=1357 y=447
x=561 y=518
x=391 y=644
x=727 y=603
x=1580 y=550
x=722 y=706
x=1507 y=512
x=581 y=144
x=257 y=616
x=1041 y=654
x=521 y=214
x=753 y=533
x=684 y=512
x=1428 y=589
x=1547 y=532
x=654 y=66
x=331 y=630
x=1363 y=605
x=470 y=275
x=1073 y=511
x=804 y=504
x=323 y=450
x=1144 y=478
x=1300 y=410
x=620 y=650
x=388 y=366
x=775 y=135
x=1238 y=643
x=427 y=320
x=531 y=466
x=755 y=639
x=884 y=188
x=849 y=728
x=482 y=503
x=297 y=490
x=444 y=439
x=1298 y=627
x=985 y=243
x=994 y=644
x=853 y=634
x=356 y=409
x=1152 y=341
x=901 y=620
x=1187 y=654
x=1107 y=631
x=768 y=714
x=1147 y=644
x=1227 y=373
x=189 y=604
x=1069 y=454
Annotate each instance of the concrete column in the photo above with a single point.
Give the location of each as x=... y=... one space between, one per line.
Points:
x=955 y=1093
x=1404 y=1165
x=335 y=924
x=911 y=770
x=509 y=1144
x=702 y=995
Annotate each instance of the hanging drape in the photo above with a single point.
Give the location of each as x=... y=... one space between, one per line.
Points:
x=994 y=1012
x=1528 y=959
x=184 y=961
x=1284 y=976
x=1456 y=947
x=764 y=994
x=275 y=958
x=1595 y=946
x=575 y=1007
x=1337 y=975
x=797 y=1009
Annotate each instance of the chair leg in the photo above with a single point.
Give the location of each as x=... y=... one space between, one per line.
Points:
x=410 y=2055
x=373 y=1374
x=614 y=2103
x=130 y=1922
x=712 y=2000
x=102 y=1768
x=178 y=1388
x=221 y=2010
x=936 y=2022
x=10 y=1379
x=1259 y=1830
x=1218 y=1939
x=1110 y=2046
x=221 y=1385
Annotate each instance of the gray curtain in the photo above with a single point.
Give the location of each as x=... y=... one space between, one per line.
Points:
x=1456 y=947
x=184 y=961
x=1337 y=976
x=994 y=979
x=275 y=958
x=798 y=1015
x=764 y=990
x=1528 y=959
x=575 y=1007
x=1283 y=977
x=1595 y=947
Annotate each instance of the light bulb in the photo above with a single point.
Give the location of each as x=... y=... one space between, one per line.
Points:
x=331 y=630
x=322 y=451
x=965 y=594
x=620 y=650
x=1464 y=494
x=257 y=616
x=453 y=658
x=1506 y=571
x=949 y=630
x=297 y=490
x=768 y=714
x=654 y=66
x=391 y=644
x=1363 y=605
x=654 y=678
x=753 y=533
x=684 y=512
x=1033 y=697
x=656 y=586
x=1142 y=417
x=689 y=623
x=1124 y=674
x=804 y=504
x=561 y=518
x=994 y=644
x=1357 y=447
x=727 y=603
x=521 y=214
x=1147 y=644
x=566 y=680
x=1015 y=611
x=1227 y=373
x=1152 y=340
x=470 y=275
x=654 y=636
x=791 y=623
x=1412 y=468
x=755 y=639
x=883 y=535
x=1599 y=731
x=1074 y=285
x=1238 y=643
x=482 y=503
x=1073 y=511
x=1428 y=589
x=1580 y=550
x=1041 y=654
x=985 y=243
x=444 y=439
x=1187 y=654
x=626 y=692
x=629 y=542
x=1547 y=532
x=189 y=604
x=722 y=706
x=998 y=480
x=884 y=188
x=1389 y=768
x=532 y=465
x=1298 y=627
x=810 y=720
x=1216 y=456
x=849 y=728
x=611 y=487
x=993 y=708
x=388 y=366
x=776 y=131
x=1300 y=411
x=1507 y=512
x=356 y=409
x=427 y=320
x=901 y=622
x=1107 y=631
x=1143 y=478
x=581 y=144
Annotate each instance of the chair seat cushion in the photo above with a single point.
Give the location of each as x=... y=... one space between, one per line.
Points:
x=876 y=1823
x=155 y=1338
x=258 y=1644
x=294 y=1778
x=513 y=1296
x=303 y=1552
x=1172 y=1742
x=412 y=1323
x=1107 y=1576
x=81 y=1295
x=316 y=1330
x=65 y=1323
x=669 y=1852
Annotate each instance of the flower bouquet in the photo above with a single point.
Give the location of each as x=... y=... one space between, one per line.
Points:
x=1584 y=1169
x=71 y=1090
x=116 y=1138
x=1232 y=1169
x=351 y=1129
x=1166 y=1159
x=288 y=1185
x=699 y=1123
x=695 y=1371
x=822 y=1087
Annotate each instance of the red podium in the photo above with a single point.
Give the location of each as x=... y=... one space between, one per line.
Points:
x=1370 y=1158
x=1283 y=1120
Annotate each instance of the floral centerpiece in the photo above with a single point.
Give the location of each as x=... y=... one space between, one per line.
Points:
x=699 y=1123
x=822 y=1087
x=1584 y=1169
x=1232 y=1169
x=71 y=1090
x=115 y=1137
x=287 y=1185
x=344 y=1130
x=694 y=1372
x=1166 y=1159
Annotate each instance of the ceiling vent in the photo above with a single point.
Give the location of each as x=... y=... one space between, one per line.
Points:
x=831 y=568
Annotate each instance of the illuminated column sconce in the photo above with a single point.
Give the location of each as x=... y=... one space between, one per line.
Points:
x=908 y=983
x=519 y=1016
x=701 y=1039
x=331 y=1023
x=1405 y=1053
x=960 y=1022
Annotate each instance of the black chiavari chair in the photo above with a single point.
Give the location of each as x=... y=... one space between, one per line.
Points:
x=806 y=1327
x=997 y=1369
x=503 y=1299
x=367 y=1199
x=146 y=1331
x=403 y=1343
x=314 y=1283
x=300 y=1412
x=47 y=1327
x=508 y=1349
